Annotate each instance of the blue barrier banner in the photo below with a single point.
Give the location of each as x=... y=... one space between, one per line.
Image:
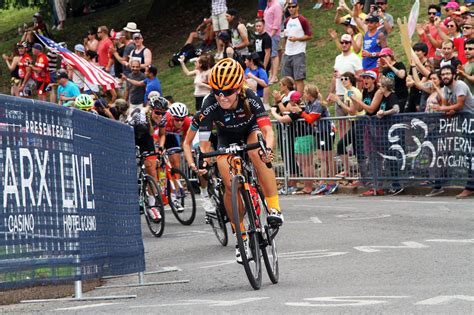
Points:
x=68 y=195
x=407 y=148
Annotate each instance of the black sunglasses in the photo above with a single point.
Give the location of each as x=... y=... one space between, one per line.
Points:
x=345 y=42
x=158 y=112
x=292 y=6
x=225 y=93
x=432 y=13
x=179 y=119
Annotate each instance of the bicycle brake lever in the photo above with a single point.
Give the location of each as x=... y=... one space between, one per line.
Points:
x=263 y=147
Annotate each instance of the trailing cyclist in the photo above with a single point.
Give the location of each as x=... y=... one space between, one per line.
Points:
x=140 y=119
x=239 y=115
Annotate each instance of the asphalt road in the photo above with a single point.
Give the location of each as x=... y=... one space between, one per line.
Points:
x=338 y=254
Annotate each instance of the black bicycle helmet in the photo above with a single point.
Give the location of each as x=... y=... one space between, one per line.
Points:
x=159 y=103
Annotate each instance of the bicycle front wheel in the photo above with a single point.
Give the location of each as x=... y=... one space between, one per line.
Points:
x=153 y=202
x=218 y=220
x=181 y=197
x=249 y=233
x=269 y=246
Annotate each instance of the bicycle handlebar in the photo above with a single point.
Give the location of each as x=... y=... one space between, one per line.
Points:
x=235 y=148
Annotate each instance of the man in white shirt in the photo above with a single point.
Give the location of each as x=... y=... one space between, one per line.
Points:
x=297 y=33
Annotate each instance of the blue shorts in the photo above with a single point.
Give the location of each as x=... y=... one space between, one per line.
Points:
x=275 y=45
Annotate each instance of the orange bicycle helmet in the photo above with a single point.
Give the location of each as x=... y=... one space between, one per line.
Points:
x=226 y=74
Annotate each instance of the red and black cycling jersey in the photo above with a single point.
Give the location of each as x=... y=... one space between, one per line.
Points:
x=233 y=122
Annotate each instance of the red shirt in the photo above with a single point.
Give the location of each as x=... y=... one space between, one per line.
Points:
x=24 y=61
x=168 y=123
x=103 y=50
x=459 y=46
x=43 y=75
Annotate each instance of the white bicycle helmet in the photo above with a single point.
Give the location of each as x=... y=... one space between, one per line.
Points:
x=178 y=110
x=153 y=94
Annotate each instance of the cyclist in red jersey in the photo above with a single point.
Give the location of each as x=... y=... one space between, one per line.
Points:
x=24 y=71
x=172 y=129
x=40 y=71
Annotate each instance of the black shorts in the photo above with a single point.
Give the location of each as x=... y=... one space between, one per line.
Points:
x=224 y=139
x=145 y=143
x=172 y=141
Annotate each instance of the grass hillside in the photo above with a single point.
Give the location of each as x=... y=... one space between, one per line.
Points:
x=165 y=35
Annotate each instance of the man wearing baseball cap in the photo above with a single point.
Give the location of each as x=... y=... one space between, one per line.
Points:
x=40 y=71
x=369 y=94
x=297 y=33
x=374 y=41
x=347 y=61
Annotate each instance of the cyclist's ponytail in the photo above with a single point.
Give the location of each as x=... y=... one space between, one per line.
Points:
x=243 y=96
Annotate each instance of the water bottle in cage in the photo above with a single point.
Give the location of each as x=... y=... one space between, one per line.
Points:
x=162 y=180
x=254 y=196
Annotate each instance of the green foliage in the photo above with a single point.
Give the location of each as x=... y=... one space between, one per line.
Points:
x=17 y=4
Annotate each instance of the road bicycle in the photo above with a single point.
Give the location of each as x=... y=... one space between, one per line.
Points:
x=247 y=191
x=149 y=192
x=178 y=192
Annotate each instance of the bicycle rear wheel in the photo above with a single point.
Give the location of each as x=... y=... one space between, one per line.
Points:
x=269 y=246
x=218 y=221
x=152 y=199
x=181 y=197
x=252 y=264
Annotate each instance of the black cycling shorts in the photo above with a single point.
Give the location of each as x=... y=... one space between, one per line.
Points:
x=173 y=141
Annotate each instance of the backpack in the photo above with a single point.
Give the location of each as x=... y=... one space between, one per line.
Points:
x=188 y=51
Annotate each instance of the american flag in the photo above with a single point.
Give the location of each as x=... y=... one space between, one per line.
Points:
x=91 y=72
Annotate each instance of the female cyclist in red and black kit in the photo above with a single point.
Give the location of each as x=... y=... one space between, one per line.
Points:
x=239 y=116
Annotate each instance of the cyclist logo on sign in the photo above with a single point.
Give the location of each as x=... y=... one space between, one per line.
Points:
x=420 y=144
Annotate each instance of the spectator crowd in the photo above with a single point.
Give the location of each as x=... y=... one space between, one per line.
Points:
x=368 y=78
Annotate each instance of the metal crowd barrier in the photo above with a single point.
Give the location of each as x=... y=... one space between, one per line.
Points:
x=406 y=149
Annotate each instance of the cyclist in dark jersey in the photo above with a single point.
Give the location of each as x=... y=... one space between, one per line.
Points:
x=239 y=116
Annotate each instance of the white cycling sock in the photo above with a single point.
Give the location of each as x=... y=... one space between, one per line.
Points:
x=204 y=193
x=151 y=200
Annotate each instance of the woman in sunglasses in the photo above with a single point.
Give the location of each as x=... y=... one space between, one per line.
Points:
x=239 y=115
x=171 y=129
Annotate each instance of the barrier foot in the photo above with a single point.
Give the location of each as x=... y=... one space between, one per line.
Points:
x=74 y=299
x=141 y=284
x=163 y=270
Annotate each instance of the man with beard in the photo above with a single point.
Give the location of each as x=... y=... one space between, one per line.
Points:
x=457 y=97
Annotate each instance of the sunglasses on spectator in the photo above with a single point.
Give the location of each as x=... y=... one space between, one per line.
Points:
x=469 y=48
x=158 y=112
x=344 y=79
x=291 y=6
x=467 y=27
x=345 y=42
x=432 y=13
x=224 y=93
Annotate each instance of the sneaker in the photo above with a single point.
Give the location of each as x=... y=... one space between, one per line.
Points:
x=290 y=190
x=177 y=205
x=208 y=205
x=321 y=189
x=435 y=192
x=154 y=214
x=373 y=192
x=275 y=218
x=331 y=189
x=248 y=252
x=395 y=191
